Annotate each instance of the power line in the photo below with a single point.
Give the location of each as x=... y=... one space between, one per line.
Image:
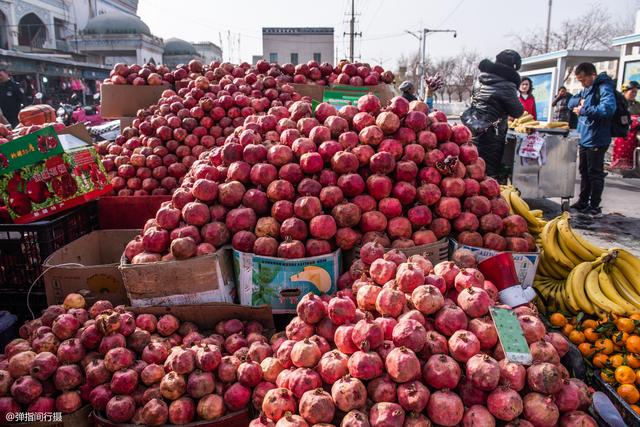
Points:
x=451 y=13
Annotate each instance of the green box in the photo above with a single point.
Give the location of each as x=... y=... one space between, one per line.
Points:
x=40 y=175
x=282 y=282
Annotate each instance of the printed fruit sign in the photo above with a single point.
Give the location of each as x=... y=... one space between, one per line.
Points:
x=281 y=283
x=38 y=177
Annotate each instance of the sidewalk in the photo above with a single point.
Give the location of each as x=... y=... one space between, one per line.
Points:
x=620 y=223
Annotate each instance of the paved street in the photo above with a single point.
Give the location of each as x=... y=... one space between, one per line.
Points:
x=620 y=224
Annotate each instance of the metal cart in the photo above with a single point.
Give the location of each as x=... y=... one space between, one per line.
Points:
x=556 y=177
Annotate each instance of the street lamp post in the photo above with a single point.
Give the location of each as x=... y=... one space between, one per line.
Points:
x=422 y=36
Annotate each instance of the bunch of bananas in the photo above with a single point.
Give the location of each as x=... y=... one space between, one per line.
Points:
x=608 y=284
x=518 y=206
x=574 y=275
x=563 y=248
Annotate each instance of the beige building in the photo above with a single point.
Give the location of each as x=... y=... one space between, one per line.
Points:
x=297 y=44
x=208 y=51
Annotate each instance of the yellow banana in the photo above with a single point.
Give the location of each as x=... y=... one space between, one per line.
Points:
x=550 y=244
x=606 y=285
x=568 y=236
x=577 y=283
x=625 y=289
x=537 y=213
x=554 y=269
x=629 y=272
x=599 y=299
x=542 y=271
x=628 y=257
x=560 y=297
x=571 y=298
x=594 y=249
x=558 y=268
x=505 y=193
x=566 y=250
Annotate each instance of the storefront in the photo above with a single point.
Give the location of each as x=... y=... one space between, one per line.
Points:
x=57 y=79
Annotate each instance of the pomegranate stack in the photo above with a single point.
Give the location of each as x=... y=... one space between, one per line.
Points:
x=294 y=183
x=393 y=351
x=131 y=368
x=153 y=155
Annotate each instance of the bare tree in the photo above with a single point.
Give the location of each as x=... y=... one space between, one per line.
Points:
x=465 y=70
x=592 y=30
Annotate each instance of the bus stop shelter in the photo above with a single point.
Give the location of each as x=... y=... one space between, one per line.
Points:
x=629 y=55
x=549 y=71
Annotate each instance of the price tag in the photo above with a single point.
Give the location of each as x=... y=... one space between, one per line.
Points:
x=511 y=336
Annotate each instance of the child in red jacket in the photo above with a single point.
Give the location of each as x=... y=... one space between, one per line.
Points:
x=526 y=97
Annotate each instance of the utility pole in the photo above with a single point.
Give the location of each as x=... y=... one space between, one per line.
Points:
x=546 y=37
x=352 y=34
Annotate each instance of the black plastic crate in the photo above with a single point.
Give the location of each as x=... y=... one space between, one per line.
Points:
x=628 y=414
x=15 y=302
x=24 y=247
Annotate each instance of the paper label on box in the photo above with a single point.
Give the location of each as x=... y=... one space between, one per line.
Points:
x=282 y=282
x=526 y=263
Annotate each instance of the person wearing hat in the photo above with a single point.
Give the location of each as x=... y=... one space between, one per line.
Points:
x=407 y=89
x=624 y=148
x=494 y=99
x=561 y=113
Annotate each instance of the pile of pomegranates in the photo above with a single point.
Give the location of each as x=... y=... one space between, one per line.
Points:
x=142 y=75
x=344 y=73
x=141 y=369
x=311 y=72
x=393 y=351
x=152 y=156
x=295 y=183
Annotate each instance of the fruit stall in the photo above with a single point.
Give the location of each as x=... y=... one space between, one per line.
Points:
x=278 y=258
x=542 y=158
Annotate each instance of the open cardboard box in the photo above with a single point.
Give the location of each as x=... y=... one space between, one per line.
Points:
x=97 y=277
x=206 y=316
x=197 y=280
x=125 y=100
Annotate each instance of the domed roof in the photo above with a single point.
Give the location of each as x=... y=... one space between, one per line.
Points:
x=175 y=46
x=116 y=23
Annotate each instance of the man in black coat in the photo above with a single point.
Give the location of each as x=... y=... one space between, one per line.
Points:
x=10 y=98
x=494 y=99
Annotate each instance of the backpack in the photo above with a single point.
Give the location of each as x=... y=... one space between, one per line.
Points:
x=621 y=119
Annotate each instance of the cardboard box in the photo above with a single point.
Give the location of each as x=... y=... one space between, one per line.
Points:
x=316 y=92
x=434 y=252
x=125 y=100
x=526 y=262
x=97 y=277
x=282 y=282
x=44 y=173
x=128 y=211
x=80 y=418
x=206 y=316
x=339 y=95
x=198 y=280
x=126 y=122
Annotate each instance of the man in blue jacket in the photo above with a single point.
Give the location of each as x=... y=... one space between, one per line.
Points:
x=594 y=106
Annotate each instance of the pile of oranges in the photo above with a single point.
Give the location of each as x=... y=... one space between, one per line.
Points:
x=611 y=345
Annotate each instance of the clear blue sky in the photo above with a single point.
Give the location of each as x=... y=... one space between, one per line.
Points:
x=482 y=25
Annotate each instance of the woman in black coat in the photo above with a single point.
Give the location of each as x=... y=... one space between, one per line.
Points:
x=494 y=100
